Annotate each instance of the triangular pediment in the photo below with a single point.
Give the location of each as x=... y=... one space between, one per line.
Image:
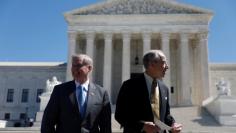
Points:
x=125 y=7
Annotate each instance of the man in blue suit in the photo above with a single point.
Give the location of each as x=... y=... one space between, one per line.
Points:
x=78 y=106
x=145 y=99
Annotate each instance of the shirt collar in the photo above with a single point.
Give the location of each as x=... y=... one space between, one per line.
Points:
x=148 y=78
x=85 y=84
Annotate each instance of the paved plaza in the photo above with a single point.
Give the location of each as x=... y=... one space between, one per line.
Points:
x=197 y=120
x=193 y=119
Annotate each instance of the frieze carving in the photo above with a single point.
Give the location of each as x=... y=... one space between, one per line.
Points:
x=116 y=7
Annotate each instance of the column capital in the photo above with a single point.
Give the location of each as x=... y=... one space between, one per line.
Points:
x=202 y=36
x=184 y=35
x=165 y=35
x=146 y=31
x=146 y=35
x=90 y=34
x=72 y=34
x=108 y=35
x=126 y=35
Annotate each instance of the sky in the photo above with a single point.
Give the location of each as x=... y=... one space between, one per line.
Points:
x=36 y=31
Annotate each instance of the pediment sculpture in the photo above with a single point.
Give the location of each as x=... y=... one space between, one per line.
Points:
x=116 y=7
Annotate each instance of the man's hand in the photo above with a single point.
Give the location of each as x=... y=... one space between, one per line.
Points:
x=150 y=127
x=176 y=127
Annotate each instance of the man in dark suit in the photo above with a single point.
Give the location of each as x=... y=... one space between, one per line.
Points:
x=78 y=106
x=145 y=99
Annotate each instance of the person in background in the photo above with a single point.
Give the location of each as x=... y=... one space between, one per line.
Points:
x=78 y=106
x=144 y=100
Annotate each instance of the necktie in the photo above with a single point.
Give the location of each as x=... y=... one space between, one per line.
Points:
x=155 y=99
x=81 y=98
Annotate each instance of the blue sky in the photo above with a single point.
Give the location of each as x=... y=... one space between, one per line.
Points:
x=35 y=30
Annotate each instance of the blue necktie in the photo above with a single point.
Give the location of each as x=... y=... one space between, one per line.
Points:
x=81 y=98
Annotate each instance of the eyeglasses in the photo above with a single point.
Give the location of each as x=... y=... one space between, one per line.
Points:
x=78 y=65
x=160 y=61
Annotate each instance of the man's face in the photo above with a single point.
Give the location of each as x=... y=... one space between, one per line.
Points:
x=158 y=68
x=79 y=70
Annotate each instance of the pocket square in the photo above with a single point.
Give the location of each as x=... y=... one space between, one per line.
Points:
x=165 y=98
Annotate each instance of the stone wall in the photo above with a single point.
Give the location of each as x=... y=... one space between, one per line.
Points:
x=226 y=71
x=19 y=76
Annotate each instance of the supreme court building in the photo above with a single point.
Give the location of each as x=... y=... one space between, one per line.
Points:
x=117 y=33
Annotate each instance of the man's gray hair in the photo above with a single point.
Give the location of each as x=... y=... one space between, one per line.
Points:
x=152 y=56
x=85 y=59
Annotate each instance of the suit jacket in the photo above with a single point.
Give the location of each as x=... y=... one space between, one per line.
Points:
x=133 y=105
x=62 y=115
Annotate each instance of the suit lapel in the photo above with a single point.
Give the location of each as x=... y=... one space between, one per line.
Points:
x=145 y=88
x=72 y=97
x=146 y=99
x=90 y=98
x=162 y=96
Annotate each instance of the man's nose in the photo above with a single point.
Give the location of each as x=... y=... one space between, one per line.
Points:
x=167 y=67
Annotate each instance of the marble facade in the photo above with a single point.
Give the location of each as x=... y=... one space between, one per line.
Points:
x=25 y=75
x=114 y=34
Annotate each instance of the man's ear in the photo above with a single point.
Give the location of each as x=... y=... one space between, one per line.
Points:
x=90 y=68
x=71 y=70
x=151 y=64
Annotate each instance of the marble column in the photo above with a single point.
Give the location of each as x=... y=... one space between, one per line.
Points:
x=146 y=41
x=107 y=68
x=204 y=66
x=126 y=57
x=185 y=97
x=72 y=36
x=90 y=36
x=90 y=44
x=165 y=45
